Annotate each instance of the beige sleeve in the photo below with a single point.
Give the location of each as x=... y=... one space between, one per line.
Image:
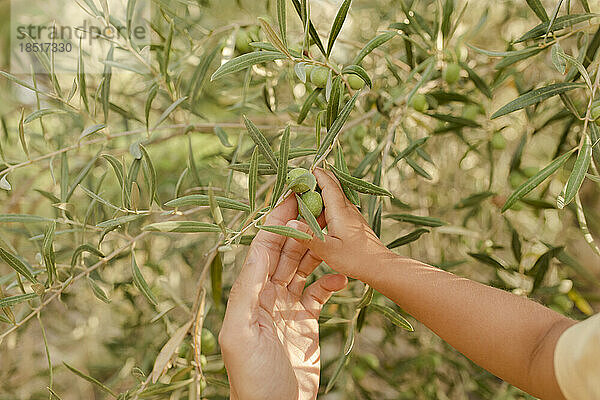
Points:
x=577 y=360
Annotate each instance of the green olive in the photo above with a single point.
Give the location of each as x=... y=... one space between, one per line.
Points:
x=298 y=187
x=356 y=82
x=451 y=73
x=529 y=171
x=419 y=102
x=208 y=342
x=470 y=111
x=314 y=202
x=242 y=41
x=516 y=179
x=498 y=141
x=318 y=76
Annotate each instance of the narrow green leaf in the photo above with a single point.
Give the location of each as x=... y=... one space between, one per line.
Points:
x=473 y=200
x=284 y=150
x=535 y=180
x=22 y=134
x=98 y=291
x=151 y=174
x=333 y=104
x=216 y=278
x=140 y=282
x=366 y=298
x=253 y=179
x=24 y=218
x=117 y=167
x=558 y=24
x=4 y=184
x=454 y=120
x=261 y=142
x=336 y=127
x=539 y=10
x=446 y=15
x=80 y=177
x=282 y=20
x=409 y=150
x=85 y=248
x=477 y=80
x=309 y=218
x=48 y=253
x=285 y=231
x=91 y=130
x=202 y=200
x=272 y=37
x=359 y=185
x=372 y=45
x=16 y=264
x=222 y=135
x=558 y=61
x=418 y=169
x=308 y=104
x=340 y=163
x=409 y=238
x=392 y=316
x=487 y=259
x=148 y=106
x=541 y=266
x=311 y=29
x=246 y=60
x=338 y=22
x=182 y=227
x=116 y=222
x=358 y=71
x=580 y=168
x=535 y=96
x=93 y=381
x=14 y=300
x=416 y=220
x=168 y=111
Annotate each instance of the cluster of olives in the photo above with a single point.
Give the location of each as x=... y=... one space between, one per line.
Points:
x=309 y=196
x=451 y=74
x=318 y=75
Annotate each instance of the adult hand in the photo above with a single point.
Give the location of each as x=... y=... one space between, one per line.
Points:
x=350 y=246
x=270 y=334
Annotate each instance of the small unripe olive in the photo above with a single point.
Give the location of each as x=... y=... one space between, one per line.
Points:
x=529 y=171
x=498 y=141
x=419 y=102
x=371 y=360
x=358 y=372
x=208 y=342
x=356 y=82
x=470 y=111
x=451 y=73
x=318 y=76
x=516 y=179
x=242 y=41
x=314 y=202
x=298 y=187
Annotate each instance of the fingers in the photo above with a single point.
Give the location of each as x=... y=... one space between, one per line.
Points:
x=323 y=249
x=291 y=254
x=272 y=243
x=307 y=265
x=319 y=292
x=333 y=196
x=244 y=296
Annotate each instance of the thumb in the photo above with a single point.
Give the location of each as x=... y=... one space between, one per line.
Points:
x=320 y=291
x=324 y=249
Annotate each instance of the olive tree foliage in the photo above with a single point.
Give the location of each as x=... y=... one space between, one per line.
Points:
x=128 y=199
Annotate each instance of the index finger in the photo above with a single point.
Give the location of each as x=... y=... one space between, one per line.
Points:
x=331 y=190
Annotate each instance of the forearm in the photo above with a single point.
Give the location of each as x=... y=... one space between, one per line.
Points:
x=510 y=336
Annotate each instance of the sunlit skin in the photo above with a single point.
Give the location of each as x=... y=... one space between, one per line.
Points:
x=510 y=336
x=270 y=335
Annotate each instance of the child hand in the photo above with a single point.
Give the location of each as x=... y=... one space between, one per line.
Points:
x=351 y=246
